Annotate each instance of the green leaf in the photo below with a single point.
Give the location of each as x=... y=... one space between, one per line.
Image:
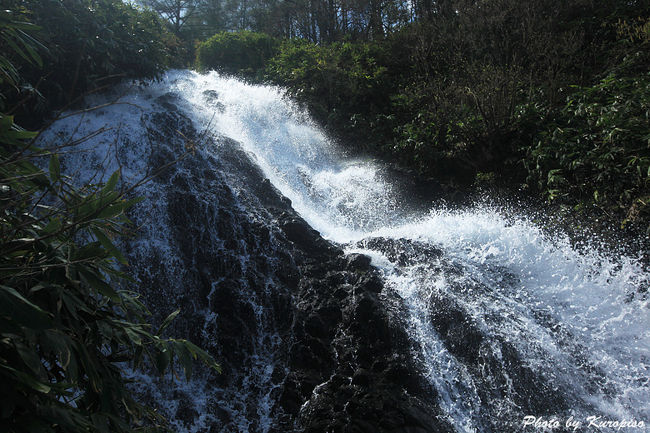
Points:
x=27 y=379
x=29 y=357
x=53 y=226
x=137 y=356
x=112 y=183
x=201 y=354
x=86 y=208
x=8 y=40
x=95 y=282
x=133 y=336
x=184 y=357
x=30 y=48
x=19 y=309
x=55 y=168
x=106 y=243
x=57 y=342
x=168 y=320
x=162 y=360
x=89 y=366
x=117 y=208
x=91 y=251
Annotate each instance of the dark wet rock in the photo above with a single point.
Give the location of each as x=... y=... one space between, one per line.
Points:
x=168 y=101
x=300 y=233
x=498 y=371
x=210 y=96
x=404 y=252
x=284 y=311
x=501 y=375
x=185 y=412
x=359 y=262
x=461 y=335
x=303 y=236
x=352 y=391
x=372 y=283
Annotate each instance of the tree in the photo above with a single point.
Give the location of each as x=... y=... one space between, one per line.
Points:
x=177 y=12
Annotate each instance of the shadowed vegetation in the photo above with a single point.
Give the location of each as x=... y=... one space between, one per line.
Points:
x=69 y=323
x=546 y=95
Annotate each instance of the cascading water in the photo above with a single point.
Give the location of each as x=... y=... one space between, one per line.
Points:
x=504 y=321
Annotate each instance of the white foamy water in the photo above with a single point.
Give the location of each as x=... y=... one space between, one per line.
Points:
x=578 y=319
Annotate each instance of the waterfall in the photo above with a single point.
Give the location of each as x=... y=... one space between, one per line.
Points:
x=503 y=320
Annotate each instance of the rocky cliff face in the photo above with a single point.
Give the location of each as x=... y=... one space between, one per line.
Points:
x=308 y=338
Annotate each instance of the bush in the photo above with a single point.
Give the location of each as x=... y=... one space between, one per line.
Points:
x=91 y=43
x=346 y=85
x=68 y=322
x=597 y=149
x=65 y=326
x=244 y=53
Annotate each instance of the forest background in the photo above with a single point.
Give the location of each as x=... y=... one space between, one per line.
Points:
x=546 y=95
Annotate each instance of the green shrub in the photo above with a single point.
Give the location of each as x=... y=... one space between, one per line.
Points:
x=91 y=43
x=346 y=85
x=597 y=148
x=310 y=72
x=65 y=324
x=243 y=52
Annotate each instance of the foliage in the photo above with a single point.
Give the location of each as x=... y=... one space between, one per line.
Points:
x=484 y=90
x=176 y=12
x=321 y=21
x=595 y=149
x=64 y=326
x=637 y=30
x=243 y=53
x=68 y=323
x=346 y=85
x=598 y=147
x=91 y=43
x=439 y=94
x=15 y=35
